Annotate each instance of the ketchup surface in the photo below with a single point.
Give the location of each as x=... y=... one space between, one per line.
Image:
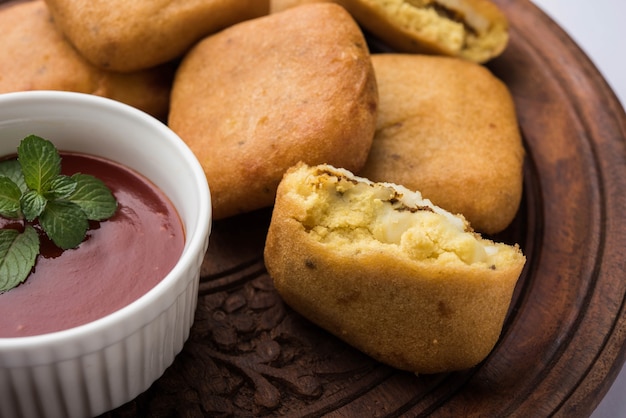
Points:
x=119 y=260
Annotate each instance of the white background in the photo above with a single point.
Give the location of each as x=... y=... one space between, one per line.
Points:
x=599 y=28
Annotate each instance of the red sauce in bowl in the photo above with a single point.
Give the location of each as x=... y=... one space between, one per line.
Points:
x=119 y=260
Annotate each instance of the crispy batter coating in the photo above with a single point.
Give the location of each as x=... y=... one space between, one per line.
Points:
x=476 y=30
x=253 y=100
x=388 y=272
x=448 y=128
x=129 y=35
x=36 y=56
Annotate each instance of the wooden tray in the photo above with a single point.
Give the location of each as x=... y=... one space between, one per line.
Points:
x=563 y=342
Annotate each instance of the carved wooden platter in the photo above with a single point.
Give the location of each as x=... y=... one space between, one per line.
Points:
x=563 y=341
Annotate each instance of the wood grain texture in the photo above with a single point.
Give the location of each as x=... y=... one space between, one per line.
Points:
x=563 y=342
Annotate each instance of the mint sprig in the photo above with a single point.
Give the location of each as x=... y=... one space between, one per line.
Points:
x=33 y=188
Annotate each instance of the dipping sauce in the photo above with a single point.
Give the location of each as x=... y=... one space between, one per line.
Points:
x=120 y=259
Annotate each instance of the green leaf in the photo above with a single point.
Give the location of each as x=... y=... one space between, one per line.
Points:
x=33 y=204
x=60 y=188
x=18 y=252
x=12 y=169
x=94 y=197
x=40 y=162
x=10 y=194
x=65 y=223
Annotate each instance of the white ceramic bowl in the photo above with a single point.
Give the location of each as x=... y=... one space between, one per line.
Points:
x=90 y=369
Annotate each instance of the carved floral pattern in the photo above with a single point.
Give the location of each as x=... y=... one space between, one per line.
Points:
x=248 y=353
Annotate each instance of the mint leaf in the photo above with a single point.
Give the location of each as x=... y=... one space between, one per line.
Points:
x=40 y=162
x=18 y=252
x=33 y=204
x=65 y=223
x=61 y=187
x=12 y=169
x=10 y=194
x=93 y=197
